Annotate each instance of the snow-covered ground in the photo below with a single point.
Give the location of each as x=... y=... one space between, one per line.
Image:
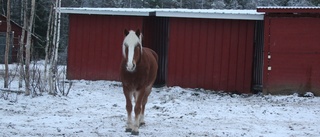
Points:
x=97 y=108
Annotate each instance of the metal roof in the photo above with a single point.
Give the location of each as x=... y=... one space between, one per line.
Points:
x=184 y=13
x=210 y=13
x=288 y=9
x=107 y=11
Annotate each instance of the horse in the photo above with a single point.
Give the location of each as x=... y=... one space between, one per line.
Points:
x=138 y=72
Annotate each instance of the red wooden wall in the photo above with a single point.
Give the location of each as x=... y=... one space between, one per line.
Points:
x=211 y=54
x=95 y=44
x=293 y=43
x=16 y=36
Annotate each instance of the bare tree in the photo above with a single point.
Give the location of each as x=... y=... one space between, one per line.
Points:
x=22 y=39
x=54 y=51
x=28 y=48
x=8 y=42
x=47 y=44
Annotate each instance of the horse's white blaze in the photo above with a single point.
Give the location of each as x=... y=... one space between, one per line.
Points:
x=130 y=63
x=130 y=42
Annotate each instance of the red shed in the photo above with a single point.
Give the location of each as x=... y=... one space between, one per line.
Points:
x=211 y=49
x=95 y=39
x=292 y=50
x=15 y=38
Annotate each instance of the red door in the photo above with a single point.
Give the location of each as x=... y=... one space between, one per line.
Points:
x=211 y=54
x=292 y=55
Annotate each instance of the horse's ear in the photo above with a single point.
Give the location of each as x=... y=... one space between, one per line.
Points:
x=138 y=32
x=126 y=32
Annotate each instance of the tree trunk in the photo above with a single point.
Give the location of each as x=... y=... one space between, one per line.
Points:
x=53 y=61
x=22 y=40
x=8 y=42
x=28 y=47
x=47 y=45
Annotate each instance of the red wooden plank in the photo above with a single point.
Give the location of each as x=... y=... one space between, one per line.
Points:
x=203 y=64
x=71 y=71
x=91 y=47
x=116 y=38
x=209 y=69
x=78 y=46
x=194 y=53
x=187 y=53
x=179 y=54
x=98 y=54
x=172 y=52
x=241 y=56
x=249 y=57
x=105 y=47
x=234 y=44
x=225 y=55
x=218 y=44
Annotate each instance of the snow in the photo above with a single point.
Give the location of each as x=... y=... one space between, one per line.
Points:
x=186 y=13
x=287 y=7
x=97 y=108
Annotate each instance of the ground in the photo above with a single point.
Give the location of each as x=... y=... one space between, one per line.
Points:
x=97 y=108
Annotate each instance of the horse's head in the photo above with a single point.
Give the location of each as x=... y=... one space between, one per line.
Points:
x=132 y=48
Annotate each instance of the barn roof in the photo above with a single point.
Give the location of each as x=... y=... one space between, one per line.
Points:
x=185 y=13
x=107 y=11
x=210 y=13
x=282 y=9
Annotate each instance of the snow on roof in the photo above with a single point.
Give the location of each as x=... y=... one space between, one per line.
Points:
x=210 y=13
x=107 y=11
x=186 y=13
x=288 y=9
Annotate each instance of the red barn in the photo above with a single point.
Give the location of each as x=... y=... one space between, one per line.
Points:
x=291 y=50
x=211 y=49
x=15 y=38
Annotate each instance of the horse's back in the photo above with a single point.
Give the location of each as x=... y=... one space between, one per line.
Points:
x=153 y=63
x=153 y=53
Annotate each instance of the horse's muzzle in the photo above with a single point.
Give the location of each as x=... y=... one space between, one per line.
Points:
x=131 y=67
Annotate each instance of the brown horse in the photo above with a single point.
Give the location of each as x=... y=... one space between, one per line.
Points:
x=138 y=72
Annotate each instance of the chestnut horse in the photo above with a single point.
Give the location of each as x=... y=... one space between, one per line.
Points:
x=138 y=72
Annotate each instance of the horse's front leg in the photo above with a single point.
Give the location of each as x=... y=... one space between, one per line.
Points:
x=144 y=102
x=128 y=96
x=137 y=111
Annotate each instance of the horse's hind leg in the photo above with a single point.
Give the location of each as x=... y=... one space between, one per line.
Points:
x=128 y=96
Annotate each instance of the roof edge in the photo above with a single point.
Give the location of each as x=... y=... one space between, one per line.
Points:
x=289 y=9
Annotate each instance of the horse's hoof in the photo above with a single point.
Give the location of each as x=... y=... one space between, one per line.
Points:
x=128 y=130
x=135 y=133
x=142 y=124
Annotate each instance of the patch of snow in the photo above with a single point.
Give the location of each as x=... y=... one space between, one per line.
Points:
x=97 y=108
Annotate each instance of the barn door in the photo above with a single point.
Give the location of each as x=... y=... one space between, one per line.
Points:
x=292 y=55
x=155 y=36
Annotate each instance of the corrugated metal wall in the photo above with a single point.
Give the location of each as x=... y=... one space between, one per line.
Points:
x=293 y=46
x=257 y=78
x=212 y=54
x=156 y=35
x=95 y=43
